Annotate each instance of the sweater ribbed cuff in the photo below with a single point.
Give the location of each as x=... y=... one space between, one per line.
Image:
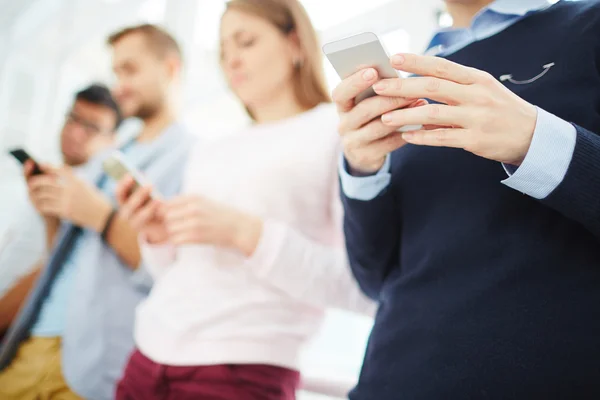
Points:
x=156 y=258
x=267 y=255
x=578 y=196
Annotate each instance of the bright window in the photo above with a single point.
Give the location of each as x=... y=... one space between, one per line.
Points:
x=324 y=15
x=329 y=13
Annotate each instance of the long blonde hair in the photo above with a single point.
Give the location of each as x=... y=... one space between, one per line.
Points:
x=290 y=17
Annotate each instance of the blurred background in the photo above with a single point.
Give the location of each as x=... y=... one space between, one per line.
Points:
x=51 y=48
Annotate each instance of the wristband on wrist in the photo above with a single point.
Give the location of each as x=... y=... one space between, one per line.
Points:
x=108 y=224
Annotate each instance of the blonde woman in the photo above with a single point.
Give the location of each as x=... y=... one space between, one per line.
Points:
x=248 y=258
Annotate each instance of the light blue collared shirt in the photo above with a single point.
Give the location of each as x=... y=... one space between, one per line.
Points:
x=96 y=326
x=53 y=314
x=553 y=143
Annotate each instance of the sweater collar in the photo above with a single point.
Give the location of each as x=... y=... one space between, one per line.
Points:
x=495 y=12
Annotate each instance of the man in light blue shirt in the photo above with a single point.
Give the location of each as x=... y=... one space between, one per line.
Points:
x=76 y=328
x=88 y=129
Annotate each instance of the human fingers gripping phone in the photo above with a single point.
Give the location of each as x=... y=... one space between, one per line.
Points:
x=139 y=203
x=354 y=53
x=23 y=157
x=144 y=213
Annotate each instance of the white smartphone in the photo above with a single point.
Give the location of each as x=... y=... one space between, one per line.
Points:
x=361 y=51
x=117 y=168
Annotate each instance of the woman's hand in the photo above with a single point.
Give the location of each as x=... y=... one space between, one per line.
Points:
x=144 y=213
x=195 y=220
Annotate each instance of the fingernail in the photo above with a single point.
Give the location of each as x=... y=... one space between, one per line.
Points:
x=369 y=74
x=398 y=59
x=386 y=118
x=380 y=86
x=407 y=136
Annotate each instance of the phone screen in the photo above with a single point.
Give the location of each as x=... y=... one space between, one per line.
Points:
x=116 y=167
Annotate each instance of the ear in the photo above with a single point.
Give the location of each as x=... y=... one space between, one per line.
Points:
x=173 y=65
x=295 y=49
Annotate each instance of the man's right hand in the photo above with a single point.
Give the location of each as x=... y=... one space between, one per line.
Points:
x=41 y=188
x=143 y=213
x=365 y=138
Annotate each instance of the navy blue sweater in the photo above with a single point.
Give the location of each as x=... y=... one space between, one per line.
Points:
x=487 y=293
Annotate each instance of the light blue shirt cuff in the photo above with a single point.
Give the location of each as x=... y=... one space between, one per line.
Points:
x=364 y=188
x=141 y=278
x=548 y=158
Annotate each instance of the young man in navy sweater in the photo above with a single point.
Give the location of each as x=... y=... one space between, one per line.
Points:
x=480 y=234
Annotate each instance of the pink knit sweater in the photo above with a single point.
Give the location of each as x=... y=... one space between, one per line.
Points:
x=214 y=306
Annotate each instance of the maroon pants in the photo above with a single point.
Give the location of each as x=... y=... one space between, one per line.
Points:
x=147 y=380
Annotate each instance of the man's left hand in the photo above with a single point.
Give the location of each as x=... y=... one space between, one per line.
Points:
x=75 y=200
x=478 y=113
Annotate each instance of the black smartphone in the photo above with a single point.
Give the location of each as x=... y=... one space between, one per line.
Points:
x=22 y=156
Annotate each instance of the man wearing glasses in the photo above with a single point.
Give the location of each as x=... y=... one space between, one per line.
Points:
x=89 y=128
x=74 y=333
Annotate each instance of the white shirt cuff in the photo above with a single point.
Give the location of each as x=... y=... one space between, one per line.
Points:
x=548 y=158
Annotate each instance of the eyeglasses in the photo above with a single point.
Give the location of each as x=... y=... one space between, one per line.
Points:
x=89 y=127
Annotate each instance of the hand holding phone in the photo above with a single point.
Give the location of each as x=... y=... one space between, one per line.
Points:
x=138 y=203
x=144 y=213
x=361 y=62
x=358 y=53
x=24 y=158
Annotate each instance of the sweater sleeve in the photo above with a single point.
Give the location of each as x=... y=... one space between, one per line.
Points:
x=309 y=270
x=578 y=195
x=168 y=181
x=372 y=231
x=157 y=258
